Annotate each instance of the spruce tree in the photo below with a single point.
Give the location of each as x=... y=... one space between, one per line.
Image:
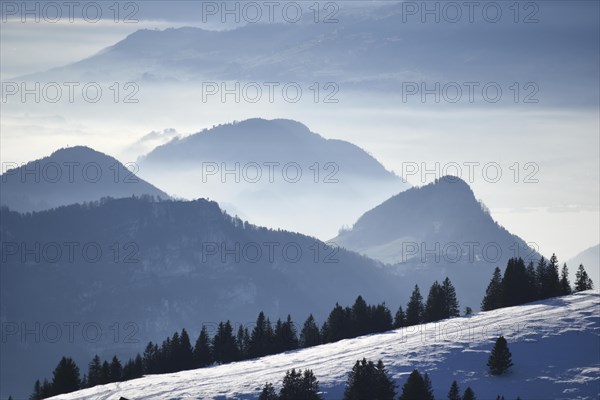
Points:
x=565 y=285
x=582 y=280
x=37 y=391
x=414 y=388
x=116 y=370
x=202 y=351
x=94 y=374
x=380 y=319
x=47 y=389
x=310 y=335
x=434 y=307
x=224 y=344
x=514 y=283
x=454 y=393
x=261 y=339
x=414 y=308
x=469 y=394
x=360 y=318
x=105 y=373
x=184 y=357
x=150 y=359
x=66 y=377
x=428 y=386
x=369 y=381
x=298 y=386
x=493 y=294
x=339 y=324
x=532 y=284
x=243 y=342
x=551 y=283
x=451 y=307
x=399 y=319
x=268 y=393
x=500 y=359
x=541 y=279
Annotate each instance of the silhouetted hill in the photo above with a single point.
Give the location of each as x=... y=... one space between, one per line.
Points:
x=70 y=175
x=153 y=268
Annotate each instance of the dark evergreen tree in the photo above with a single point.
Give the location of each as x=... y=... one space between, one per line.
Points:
x=224 y=345
x=47 y=389
x=434 y=307
x=380 y=319
x=428 y=386
x=116 y=370
x=469 y=394
x=66 y=377
x=514 y=283
x=37 y=391
x=242 y=339
x=261 y=339
x=415 y=388
x=493 y=294
x=399 y=319
x=468 y=311
x=268 y=393
x=360 y=318
x=339 y=324
x=94 y=375
x=150 y=359
x=183 y=354
x=551 y=282
x=540 y=277
x=414 y=308
x=451 y=307
x=298 y=386
x=310 y=335
x=454 y=393
x=565 y=285
x=105 y=373
x=582 y=280
x=202 y=352
x=369 y=381
x=532 y=284
x=285 y=336
x=500 y=359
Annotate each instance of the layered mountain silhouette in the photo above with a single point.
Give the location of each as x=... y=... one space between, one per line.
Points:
x=276 y=172
x=70 y=175
x=375 y=48
x=434 y=231
x=155 y=267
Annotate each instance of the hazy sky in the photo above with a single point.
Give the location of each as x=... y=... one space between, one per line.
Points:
x=557 y=144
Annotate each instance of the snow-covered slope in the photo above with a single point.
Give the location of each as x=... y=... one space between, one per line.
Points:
x=555 y=346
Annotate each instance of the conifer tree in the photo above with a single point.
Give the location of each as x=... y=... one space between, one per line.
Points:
x=469 y=394
x=360 y=318
x=540 y=275
x=434 y=307
x=399 y=319
x=493 y=294
x=261 y=339
x=94 y=374
x=428 y=386
x=415 y=388
x=202 y=352
x=454 y=393
x=414 y=308
x=116 y=370
x=47 y=389
x=268 y=393
x=66 y=377
x=339 y=324
x=184 y=357
x=37 y=391
x=551 y=283
x=298 y=386
x=565 y=285
x=380 y=319
x=310 y=335
x=242 y=339
x=532 y=284
x=369 y=381
x=582 y=280
x=105 y=373
x=500 y=359
x=451 y=307
x=224 y=345
x=514 y=283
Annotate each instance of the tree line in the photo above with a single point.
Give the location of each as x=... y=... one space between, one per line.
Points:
x=522 y=284
x=176 y=353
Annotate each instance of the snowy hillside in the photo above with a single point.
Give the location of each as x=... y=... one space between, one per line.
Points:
x=555 y=346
